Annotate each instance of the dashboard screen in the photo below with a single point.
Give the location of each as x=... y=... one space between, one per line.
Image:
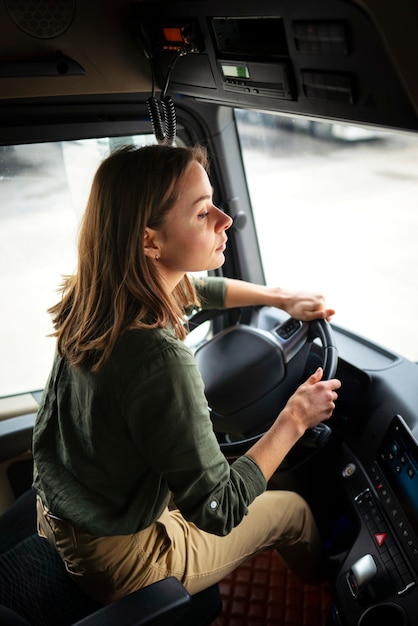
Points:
x=398 y=458
x=250 y=37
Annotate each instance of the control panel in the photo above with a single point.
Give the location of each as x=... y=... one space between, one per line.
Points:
x=293 y=60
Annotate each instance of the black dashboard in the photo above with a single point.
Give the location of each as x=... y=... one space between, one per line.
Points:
x=370 y=477
x=377 y=473
x=380 y=569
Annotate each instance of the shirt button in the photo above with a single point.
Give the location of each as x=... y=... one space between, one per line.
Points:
x=213 y=505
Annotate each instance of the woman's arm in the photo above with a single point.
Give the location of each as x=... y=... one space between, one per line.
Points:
x=299 y=304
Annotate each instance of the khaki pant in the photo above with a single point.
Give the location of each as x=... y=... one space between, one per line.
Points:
x=108 y=568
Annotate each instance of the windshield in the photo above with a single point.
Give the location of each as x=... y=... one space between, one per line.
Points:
x=336 y=211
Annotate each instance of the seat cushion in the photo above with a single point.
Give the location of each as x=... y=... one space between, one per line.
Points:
x=35 y=583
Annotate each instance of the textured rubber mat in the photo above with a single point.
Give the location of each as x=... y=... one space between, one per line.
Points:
x=263 y=592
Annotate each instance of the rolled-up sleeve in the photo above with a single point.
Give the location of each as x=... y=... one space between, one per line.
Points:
x=245 y=483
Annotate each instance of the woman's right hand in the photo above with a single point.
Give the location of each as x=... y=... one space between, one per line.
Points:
x=312 y=402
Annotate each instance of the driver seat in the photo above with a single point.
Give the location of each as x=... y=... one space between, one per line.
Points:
x=36 y=590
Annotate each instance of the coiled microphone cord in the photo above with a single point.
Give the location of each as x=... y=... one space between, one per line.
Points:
x=164 y=121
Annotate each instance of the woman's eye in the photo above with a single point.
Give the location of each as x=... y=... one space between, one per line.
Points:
x=203 y=215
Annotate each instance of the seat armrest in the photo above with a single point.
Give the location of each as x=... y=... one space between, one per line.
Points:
x=162 y=603
x=16 y=435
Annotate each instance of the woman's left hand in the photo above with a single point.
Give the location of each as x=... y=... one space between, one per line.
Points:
x=303 y=305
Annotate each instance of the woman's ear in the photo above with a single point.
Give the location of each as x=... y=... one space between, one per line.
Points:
x=151 y=245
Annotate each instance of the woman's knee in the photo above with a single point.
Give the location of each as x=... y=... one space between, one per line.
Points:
x=287 y=505
x=286 y=518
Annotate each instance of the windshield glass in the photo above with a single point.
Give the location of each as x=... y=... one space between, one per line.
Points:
x=336 y=211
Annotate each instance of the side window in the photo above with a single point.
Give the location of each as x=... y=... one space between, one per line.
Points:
x=43 y=192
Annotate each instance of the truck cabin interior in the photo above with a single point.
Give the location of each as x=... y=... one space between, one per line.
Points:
x=196 y=71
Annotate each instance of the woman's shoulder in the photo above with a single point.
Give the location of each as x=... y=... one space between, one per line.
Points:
x=143 y=355
x=151 y=344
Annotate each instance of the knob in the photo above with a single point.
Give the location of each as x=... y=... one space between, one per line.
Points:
x=349 y=470
x=360 y=574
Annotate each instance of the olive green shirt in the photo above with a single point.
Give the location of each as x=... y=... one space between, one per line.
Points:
x=111 y=447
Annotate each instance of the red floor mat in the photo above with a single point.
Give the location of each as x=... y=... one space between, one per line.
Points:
x=263 y=592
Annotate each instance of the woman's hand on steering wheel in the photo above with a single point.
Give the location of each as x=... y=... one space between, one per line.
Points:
x=313 y=401
x=302 y=305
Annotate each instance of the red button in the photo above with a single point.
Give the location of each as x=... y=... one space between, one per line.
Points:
x=380 y=538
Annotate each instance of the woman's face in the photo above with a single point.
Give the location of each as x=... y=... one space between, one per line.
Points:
x=192 y=237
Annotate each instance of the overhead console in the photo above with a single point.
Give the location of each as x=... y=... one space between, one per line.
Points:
x=322 y=59
x=252 y=56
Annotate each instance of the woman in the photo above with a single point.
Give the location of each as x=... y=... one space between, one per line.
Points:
x=124 y=426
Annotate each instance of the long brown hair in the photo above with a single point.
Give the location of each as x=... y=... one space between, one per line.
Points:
x=116 y=286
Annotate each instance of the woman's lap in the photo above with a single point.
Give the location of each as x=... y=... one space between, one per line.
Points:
x=174 y=547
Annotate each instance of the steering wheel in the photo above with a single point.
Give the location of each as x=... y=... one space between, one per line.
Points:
x=249 y=373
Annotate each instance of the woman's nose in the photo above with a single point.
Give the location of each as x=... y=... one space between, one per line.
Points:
x=225 y=221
